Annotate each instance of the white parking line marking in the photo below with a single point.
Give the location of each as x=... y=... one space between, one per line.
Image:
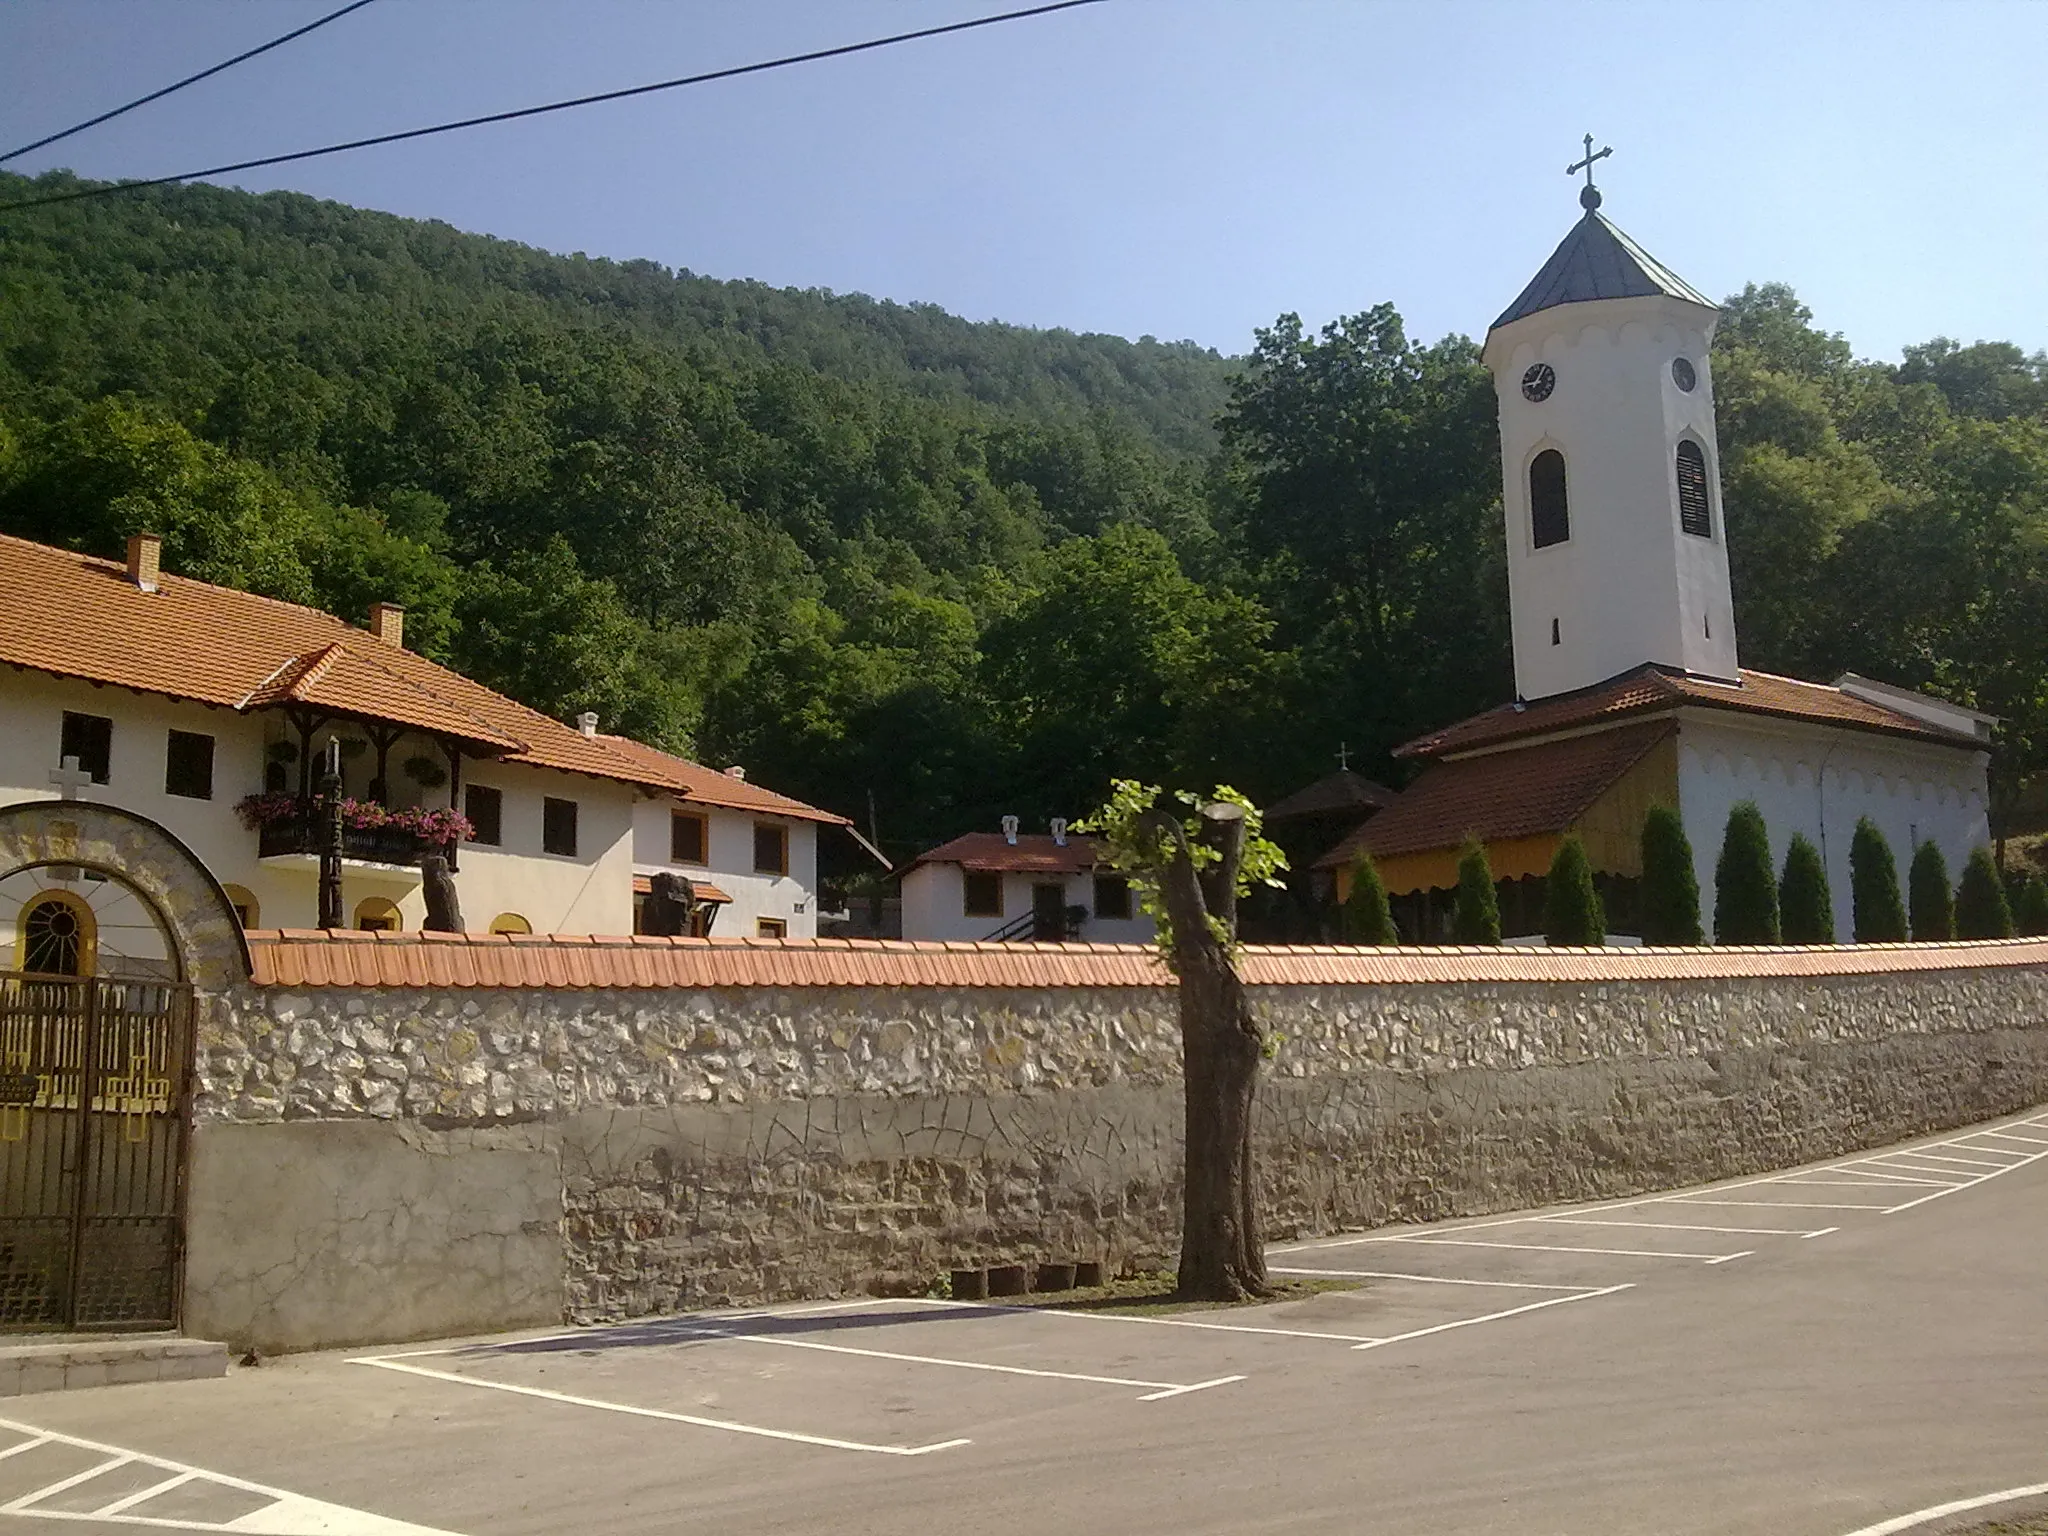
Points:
x=1949 y=1176
x=1971 y=1146
x=1962 y=1162
x=1156 y=1322
x=1954 y=1507
x=2032 y=1141
x=1388 y=1274
x=1200 y=1386
x=1494 y=1317
x=1788 y=1205
x=17 y=1506
x=1866 y=1178
x=1626 y=1253
x=1166 y=1388
x=1823 y=1232
x=1952 y=1166
x=287 y=1514
x=731 y=1426
x=1679 y=1226
x=144 y=1495
x=1729 y=1258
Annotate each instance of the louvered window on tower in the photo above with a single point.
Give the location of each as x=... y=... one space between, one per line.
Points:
x=1550 y=517
x=1695 y=510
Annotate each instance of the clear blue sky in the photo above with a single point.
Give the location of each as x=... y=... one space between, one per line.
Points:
x=1179 y=168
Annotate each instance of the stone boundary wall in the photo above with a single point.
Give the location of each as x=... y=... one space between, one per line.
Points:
x=378 y=1162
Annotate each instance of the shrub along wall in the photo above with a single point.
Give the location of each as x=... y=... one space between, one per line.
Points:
x=407 y=1136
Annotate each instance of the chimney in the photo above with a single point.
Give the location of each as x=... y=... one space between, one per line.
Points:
x=587 y=722
x=387 y=623
x=1059 y=831
x=145 y=550
x=736 y=772
x=1010 y=830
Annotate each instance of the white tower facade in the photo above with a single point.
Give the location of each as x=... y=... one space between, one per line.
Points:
x=1617 y=552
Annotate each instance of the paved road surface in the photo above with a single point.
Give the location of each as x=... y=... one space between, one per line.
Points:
x=1809 y=1354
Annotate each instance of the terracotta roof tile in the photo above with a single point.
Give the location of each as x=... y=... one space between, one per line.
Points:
x=1536 y=789
x=708 y=786
x=643 y=885
x=72 y=615
x=1652 y=688
x=1033 y=853
x=298 y=958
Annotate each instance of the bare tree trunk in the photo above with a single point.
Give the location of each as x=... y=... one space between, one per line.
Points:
x=1222 y=1254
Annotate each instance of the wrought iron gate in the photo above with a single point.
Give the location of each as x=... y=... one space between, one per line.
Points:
x=94 y=1079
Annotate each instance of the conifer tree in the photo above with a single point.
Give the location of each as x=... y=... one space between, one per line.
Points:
x=1745 y=889
x=1929 y=897
x=1981 y=909
x=1671 y=887
x=1877 y=914
x=2030 y=906
x=1571 y=906
x=1806 y=907
x=1367 y=918
x=1476 y=919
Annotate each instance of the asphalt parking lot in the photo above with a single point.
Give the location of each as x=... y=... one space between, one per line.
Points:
x=1811 y=1353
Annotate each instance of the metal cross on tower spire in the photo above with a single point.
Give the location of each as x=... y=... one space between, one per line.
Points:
x=1589 y=195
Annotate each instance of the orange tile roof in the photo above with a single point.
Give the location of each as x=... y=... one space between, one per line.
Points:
x=1651 y=688
x=72 y=615
x=643 y=885
x=1034 y=853
x=304 y=958
x=1544 y=787
x=708 y=786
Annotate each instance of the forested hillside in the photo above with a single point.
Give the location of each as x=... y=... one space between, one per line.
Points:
x=888 y=558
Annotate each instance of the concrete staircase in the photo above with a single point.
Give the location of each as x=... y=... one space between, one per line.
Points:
x=58 y=1362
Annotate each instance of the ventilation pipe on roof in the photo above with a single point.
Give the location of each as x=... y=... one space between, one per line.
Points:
x=736 y=772
x=145 y=553
x=1059 y=831
x=587 y=722
x=387 y=623
x=1010 y=830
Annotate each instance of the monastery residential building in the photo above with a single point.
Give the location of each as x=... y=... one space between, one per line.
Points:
x=205 y=709
x=1629 y=692
x=1042 y=887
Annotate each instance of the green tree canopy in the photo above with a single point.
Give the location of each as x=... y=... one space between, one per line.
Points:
x=1745 y=889
x=1806 y=907
x=1571 y=905
x=1930 y=898
x=1981 y=910
x=1671 y=885
x=1879 y=915
x=1476 y=917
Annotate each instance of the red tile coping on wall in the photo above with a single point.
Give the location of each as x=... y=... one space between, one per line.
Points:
x=341 y=958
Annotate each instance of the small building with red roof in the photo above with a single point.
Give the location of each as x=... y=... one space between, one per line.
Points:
x=1029 y=887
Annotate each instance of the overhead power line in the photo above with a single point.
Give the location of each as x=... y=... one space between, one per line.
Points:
x=143 y=101
x=553 y=106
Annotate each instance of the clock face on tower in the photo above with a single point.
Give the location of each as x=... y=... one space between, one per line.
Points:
x=1538 y=382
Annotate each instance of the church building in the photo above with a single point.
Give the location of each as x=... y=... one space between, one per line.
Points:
x=1629 y=690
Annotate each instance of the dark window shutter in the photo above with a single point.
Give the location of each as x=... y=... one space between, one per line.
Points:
x=686 y=838
x=188 y=765
x=558 y=827
x=485 y=808
x=90 y=739
x=1550 y=517
x=1695 y=508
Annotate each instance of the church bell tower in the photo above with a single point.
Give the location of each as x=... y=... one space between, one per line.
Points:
x=1617 y=552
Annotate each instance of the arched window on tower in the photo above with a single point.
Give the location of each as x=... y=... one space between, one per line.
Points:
x=1550 y=518
x=1695 y=508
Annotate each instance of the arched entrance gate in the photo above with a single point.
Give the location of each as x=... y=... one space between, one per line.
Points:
x=109 y=927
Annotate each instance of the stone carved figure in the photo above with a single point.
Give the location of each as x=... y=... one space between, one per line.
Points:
x=670 y=908
x=444 y=908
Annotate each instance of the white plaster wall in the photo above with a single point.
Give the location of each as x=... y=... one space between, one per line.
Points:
x=1628 y=586
x=729 y=845
x=1819 y=781
x=934 y=898
x=591 y=893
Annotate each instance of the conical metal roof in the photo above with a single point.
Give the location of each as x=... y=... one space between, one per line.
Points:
x=1598 y=261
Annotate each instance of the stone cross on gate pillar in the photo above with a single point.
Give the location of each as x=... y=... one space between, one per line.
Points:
x=69 y=778
x=1343 y=757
